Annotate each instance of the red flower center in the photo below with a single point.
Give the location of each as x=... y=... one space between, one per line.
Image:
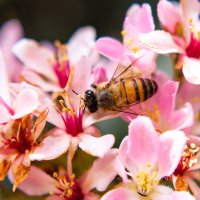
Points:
x=72 y=116
x=187 y=160
x=62 y=65
x=67 y=188
x=193 y=49
x=20 y=139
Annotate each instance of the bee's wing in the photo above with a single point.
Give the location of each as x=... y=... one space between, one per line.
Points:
x=124 y=71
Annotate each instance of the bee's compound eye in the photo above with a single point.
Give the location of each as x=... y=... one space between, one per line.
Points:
x=89 y=93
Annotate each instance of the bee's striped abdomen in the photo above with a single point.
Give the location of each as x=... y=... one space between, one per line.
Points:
x=147 y=88
x=137 y=90
x=130 y=91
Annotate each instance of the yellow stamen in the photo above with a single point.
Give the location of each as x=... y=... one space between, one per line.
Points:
x=146 y=181
x=123 y=32
x=135 y=49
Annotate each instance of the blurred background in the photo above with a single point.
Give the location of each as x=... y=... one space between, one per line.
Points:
x=52 y=20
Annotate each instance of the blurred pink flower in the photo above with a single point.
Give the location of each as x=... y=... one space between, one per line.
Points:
x=142 y=153
x=191 y=93
x=132 y=28
x=67 y=186
x=14 y=105
x=180 y=35
x=19 y=146
x=10 y=33
x=49 y=68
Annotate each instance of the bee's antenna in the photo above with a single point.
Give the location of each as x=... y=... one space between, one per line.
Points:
x=77 y=94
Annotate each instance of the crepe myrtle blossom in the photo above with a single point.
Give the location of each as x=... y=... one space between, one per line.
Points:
x=69 y=115
x=191 y=93
x=49 y=66
x=18 y=105
x=180 y=35
x=187 y=170
x=19 y=145
x=142 y=153
x=132 y=28
x=161 y=108
x=67 y=186
x=10 y=33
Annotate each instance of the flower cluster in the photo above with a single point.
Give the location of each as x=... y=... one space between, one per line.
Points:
x=52 y=94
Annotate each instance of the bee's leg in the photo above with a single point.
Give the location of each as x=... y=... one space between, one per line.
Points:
x=123 y=111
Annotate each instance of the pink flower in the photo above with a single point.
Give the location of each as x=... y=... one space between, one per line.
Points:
x=67 y=186
x=10 y=33
x=191 y=93
x=14 y=105
x=50 y=68
x=132 y=28
x=161 y=108
x=180 y=35
x=19 y=146
x=187 y=171
x=70 y=121
x=142 y=153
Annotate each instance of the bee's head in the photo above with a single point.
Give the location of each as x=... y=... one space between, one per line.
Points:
x=91 y=101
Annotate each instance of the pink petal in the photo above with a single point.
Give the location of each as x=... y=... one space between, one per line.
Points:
x=54 y=116
x=106 y=172
x=143 y=14
x=35 y=79
x=54 y=145
x=96 y=146
x=110 y=48
x=81 y=43
x=40 y=124
x=5 y=116
x=35 y=57
x=180 y=196
x=121 y=193
x=169 y=15
x=127 y=161
x=82 y=73
x=10 y=33
x=190 y=9
x=147 y=63
x=182 y=118
x=99 y=74
x=171 y=148
x=160 y=42
x=37 y=183
x=167 y=98
x=191 y=70
x=4 y=89
x=27 y=101
x=91 y=196
x=143 y=143
x=166 y=193
x=193 y=186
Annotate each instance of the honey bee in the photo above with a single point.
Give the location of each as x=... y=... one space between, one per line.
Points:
x=121 y=92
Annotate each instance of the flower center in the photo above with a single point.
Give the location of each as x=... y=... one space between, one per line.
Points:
x=61 y=66
x=187 y=160
x=128 y=41
x=153 y=113
x=72 y=116
x=20 y=140
x=146 y=181
x=67 y=188
x=193 y=49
